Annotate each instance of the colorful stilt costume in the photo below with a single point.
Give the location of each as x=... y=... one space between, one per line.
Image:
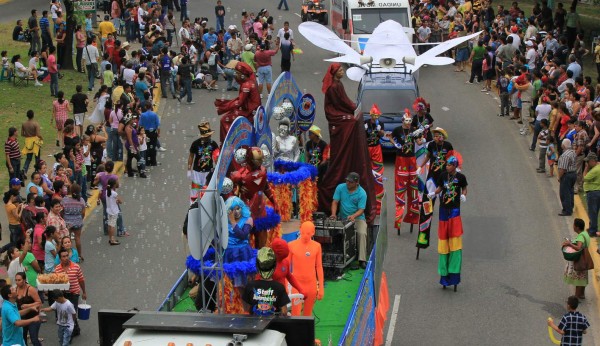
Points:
x=453 y=188
x=374 y=134
x=405 y=173
x=438 y=151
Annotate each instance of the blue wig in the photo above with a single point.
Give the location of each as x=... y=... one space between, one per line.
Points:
x=235 y=201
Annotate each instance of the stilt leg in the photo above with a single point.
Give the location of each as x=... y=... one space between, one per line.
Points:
x=411 y=228
x=418 y=250
x=455 y=288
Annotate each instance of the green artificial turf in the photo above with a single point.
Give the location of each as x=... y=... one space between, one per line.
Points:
x=332 y=312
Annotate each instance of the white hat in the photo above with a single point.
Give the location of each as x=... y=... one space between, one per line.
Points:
x=232 y=27
x=529 y=44
x=248 y=46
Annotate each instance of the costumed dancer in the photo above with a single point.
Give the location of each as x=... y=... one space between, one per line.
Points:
x=307 y=267
x=252 y=184
x=283 y=270
x=317 y=151
x=438 y=151
x=422 y=119
x=374 y=134
x=238 y=248
x=452 y=187
x=204 y=152
x=245 y=104
x=285 y=146
x=348 y=146
x=403 y=138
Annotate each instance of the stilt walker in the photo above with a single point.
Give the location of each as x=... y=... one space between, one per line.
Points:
x=452 y=187
x=374 y=134
x=405 y=173
x=438 y=151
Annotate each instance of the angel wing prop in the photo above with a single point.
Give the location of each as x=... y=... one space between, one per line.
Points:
x=385 y=46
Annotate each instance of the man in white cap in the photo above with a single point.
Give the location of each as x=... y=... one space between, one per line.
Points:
x=247 y=56
x=567 y=175
x=531 y=55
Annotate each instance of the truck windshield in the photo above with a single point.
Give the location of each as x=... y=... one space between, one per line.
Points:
x=365 y=20
x=390 y=101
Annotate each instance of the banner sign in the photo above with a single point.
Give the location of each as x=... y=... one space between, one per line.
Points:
x=306 y=112
x=262 y=130
x=85 y=5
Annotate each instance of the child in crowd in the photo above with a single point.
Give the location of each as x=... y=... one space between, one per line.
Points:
x=108 y=77
x=87 y=157
x=572 y=325
x=112 y=209
x=551 y=155
x=502 y=85
x=543 y=142
x=143 y=145
x=65 y=316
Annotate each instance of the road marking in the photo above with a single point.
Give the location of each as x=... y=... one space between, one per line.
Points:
x=298 y=15
x=445 y=109
x=390 y=334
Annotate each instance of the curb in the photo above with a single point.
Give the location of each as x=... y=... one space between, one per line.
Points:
x=580 y=212
x=119 y=166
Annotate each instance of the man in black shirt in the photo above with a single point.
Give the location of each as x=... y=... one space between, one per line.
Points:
x=438 y=151
x=201 y=160
x=265 y=297
x=79 y=101
x=452 y=187
x=317 y=151
x=184 y=80
x=17 y=34
x=403 y=138
x=34 y=28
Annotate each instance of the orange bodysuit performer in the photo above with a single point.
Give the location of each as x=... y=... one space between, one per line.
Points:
x=307 y=266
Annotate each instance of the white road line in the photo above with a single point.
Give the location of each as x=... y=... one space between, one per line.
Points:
x=390 y=334
x=297 y=15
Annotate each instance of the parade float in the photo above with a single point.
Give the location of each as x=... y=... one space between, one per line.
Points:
x=354 y=314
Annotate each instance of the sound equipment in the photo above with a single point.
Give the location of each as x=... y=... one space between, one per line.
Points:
x=338 y=242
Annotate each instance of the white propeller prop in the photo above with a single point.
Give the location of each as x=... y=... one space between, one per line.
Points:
x=384 y=44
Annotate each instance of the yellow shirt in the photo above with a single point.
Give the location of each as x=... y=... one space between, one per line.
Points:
x=597 y=53
x=106 y=28
x=10 y=210
x=466 y=7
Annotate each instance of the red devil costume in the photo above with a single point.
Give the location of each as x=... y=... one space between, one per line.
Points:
x=406 y=182
x=245 y=104
x=348 y=146
x=374 y=134
x=252 y=183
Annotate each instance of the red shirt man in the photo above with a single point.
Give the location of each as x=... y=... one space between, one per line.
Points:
x=73 y=271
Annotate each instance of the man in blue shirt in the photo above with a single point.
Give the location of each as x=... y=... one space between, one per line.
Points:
x=12 y=324
x=351 y=199
x=209 y=39
x=45 y=30
x=151 y=122
x=165 y=72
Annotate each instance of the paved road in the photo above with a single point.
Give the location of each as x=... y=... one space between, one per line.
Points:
x=512 y=266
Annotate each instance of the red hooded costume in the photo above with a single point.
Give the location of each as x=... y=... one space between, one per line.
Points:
x=282 y=270
x=244 y=105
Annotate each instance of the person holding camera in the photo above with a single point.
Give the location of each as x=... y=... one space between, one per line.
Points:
x=351 y=200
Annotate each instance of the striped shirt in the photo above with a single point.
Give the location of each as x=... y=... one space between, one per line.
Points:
x=75 y=276
x=11 y=148
x=573 y=324
x=543 y=138
x=44 y=24
x=566 y=161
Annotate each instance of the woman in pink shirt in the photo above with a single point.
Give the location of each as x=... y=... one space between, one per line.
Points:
x=80 y=38
x=37 y=248
x=258 y=27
